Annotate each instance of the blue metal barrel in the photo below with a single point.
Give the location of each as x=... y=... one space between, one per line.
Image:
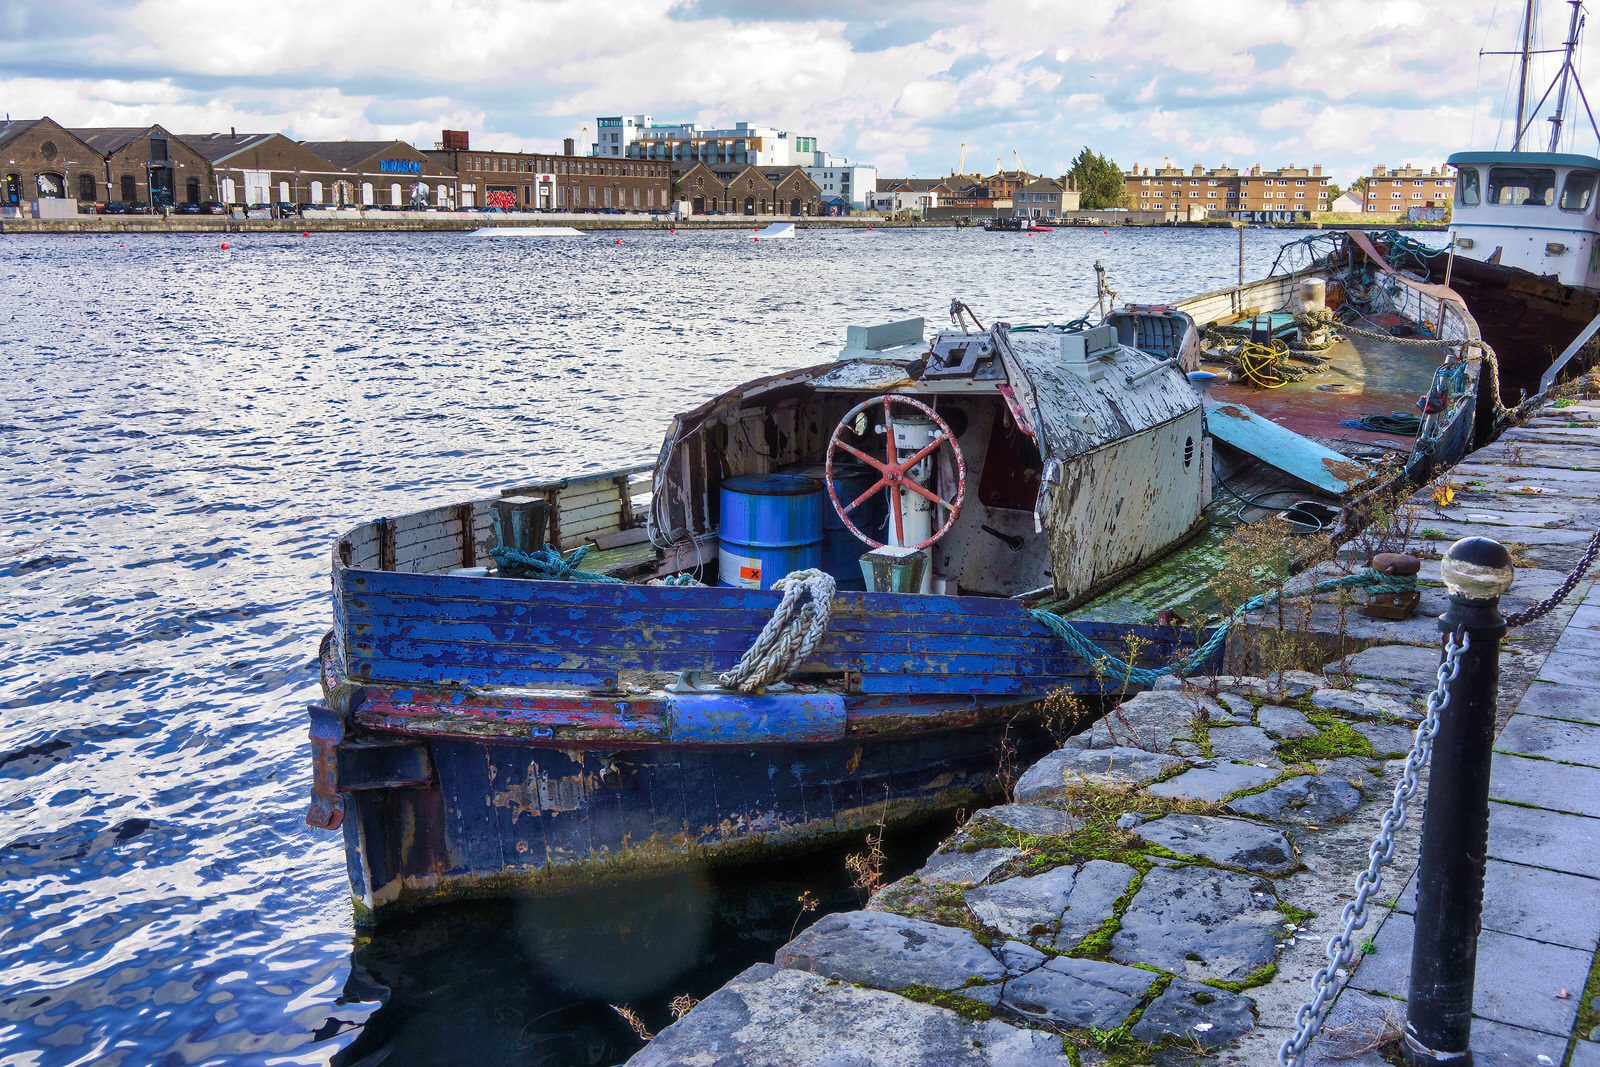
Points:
x=771 y=526
x=841 y=549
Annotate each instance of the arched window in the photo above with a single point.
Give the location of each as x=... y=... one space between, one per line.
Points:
x=283 y=192
x=794 y=206
x=443 y=195
x=13 y=193
x=86 y=189
x=130 y=189
x=749 y=205
x=51 y=186
x=316 y=192
x=366 y=194
x=395 y=194
x=227 y=191
x=191 y=190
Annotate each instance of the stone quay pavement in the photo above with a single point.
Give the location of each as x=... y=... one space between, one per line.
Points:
x=1162 y=888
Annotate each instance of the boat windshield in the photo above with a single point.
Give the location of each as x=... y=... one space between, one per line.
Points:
x=1578 y=191
x=1534 y=186
x=1467 y=194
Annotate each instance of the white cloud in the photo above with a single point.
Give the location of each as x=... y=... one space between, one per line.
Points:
x=1335 y=81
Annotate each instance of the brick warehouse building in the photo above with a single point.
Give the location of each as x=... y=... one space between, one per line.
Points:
x=564 y=181
x=147 y=165
x=41 y=159
x=748 y=190
x=252 y=169
x=381 y=173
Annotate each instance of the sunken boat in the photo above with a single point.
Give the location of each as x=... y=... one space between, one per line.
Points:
x=841 y=591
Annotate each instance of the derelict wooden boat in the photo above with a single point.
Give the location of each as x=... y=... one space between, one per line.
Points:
x=484 y=733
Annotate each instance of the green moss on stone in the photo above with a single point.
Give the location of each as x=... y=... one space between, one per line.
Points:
x=973 y=1011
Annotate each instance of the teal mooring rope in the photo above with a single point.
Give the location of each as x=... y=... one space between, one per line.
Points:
x=1368 y=579
x=547 y=564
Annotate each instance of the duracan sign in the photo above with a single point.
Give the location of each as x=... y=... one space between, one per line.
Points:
x=399 y=166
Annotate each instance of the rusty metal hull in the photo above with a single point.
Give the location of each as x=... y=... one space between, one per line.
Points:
x=433 y=818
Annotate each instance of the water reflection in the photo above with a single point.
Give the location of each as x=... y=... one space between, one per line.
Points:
x=532 y=981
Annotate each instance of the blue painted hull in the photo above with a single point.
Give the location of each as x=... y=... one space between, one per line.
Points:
x=487 y=736
x=436 y=818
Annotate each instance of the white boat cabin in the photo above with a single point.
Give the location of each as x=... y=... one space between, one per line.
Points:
x=1535 y=210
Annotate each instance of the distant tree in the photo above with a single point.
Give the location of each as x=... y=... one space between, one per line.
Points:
x=1099 y=181
x=1334 y=191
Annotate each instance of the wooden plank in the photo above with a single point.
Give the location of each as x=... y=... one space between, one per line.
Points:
x=447 y=655
x=572 y=517
x=396 y=671
x=600 y=641
x=449 y=540
x=577 y=533
x=621 y=538
x=1283 y=449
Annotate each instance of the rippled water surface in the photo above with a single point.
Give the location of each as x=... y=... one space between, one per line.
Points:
x=183 y=433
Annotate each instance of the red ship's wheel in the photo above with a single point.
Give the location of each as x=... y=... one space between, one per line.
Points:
x=893 y=471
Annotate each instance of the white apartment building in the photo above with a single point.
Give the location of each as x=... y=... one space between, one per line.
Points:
x=640 y=137
x=840 y=179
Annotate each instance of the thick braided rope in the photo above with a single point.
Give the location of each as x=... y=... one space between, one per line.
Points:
x=789 y=637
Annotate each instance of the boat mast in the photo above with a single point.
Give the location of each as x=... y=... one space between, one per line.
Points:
x=1522 y=77
x=1573 y=30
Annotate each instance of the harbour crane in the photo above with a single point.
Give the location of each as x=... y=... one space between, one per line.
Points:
x=961 y=164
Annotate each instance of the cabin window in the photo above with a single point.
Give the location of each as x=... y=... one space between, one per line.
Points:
x=1578 y=191
x=1467 y=194
x=1534 y=186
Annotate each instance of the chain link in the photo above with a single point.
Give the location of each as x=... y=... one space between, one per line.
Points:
x=1341 y=947
x=1545 y=606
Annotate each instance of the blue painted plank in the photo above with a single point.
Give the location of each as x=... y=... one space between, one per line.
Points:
x=721 y=718
x=1282 y=449
x=369 y=631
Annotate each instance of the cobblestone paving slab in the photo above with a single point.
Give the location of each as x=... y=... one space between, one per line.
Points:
x=1544 y=838
x=1311 y=800
x=890 y=952
x=1416 y=667
x=1099 y=766
x=965 y=868
x=1241 y=843
x=775 y=1017
x=1190 y=1013
x=1562 y=701
x=1517 y=981
x=1546 y=785
x=1286 y=724
x=1024 y=908
x=1563 y=909
x=1534 y=735
x=1367 y=705
x=1211 y=783
x=1249 y=744
x=1033 y=819
x=1200 y=923
x=1078 y=993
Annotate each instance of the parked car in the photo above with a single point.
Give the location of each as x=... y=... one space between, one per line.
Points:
x=213 y=207
x=113 y=207
x=284 y=209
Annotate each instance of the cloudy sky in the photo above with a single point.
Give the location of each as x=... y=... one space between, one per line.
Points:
x=1345 y=83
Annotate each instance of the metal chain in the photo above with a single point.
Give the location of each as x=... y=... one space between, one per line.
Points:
x=1545 y=606
x=1341 y=947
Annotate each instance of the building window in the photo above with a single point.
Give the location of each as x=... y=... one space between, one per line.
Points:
x=130 y=189
x=316 y=192
x=191 y=190
x=86 y=188
x=366 y=194
x=396 y=197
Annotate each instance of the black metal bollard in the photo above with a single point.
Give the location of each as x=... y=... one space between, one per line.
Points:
x=1455 y=826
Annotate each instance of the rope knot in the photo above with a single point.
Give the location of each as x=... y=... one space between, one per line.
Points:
x=789 y=637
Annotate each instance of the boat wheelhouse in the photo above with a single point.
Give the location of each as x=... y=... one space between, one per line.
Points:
x=1536 y=211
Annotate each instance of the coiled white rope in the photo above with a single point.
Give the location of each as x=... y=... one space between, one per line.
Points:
x=789 y=637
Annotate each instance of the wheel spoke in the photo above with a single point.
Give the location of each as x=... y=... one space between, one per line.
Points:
x=923 y=451
x=899 y=517
x=862 y=499
x=876 y=464
x=936 y=498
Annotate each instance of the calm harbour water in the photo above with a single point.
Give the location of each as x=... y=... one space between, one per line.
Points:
x=185 y=431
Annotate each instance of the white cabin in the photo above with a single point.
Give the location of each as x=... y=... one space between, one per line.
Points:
x=1535 y=210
